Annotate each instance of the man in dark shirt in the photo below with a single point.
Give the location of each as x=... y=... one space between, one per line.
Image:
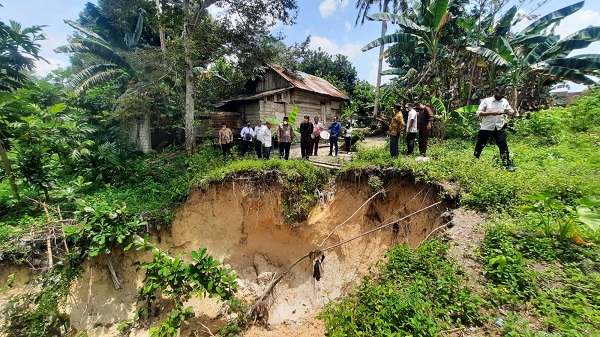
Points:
x=424 y=124
x=306 y=131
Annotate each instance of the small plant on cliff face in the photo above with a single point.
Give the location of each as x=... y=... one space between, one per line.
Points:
x=40 y=312
x=179 y=281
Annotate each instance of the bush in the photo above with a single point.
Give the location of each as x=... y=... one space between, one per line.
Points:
x=585 y=111
x=417 y=293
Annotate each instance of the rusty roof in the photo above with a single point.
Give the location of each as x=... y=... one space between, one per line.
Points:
x=309 y=82
x=259 y=95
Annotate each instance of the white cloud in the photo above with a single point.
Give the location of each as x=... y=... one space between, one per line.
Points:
x=328 y=7
x=351 y=50
x=348 y=26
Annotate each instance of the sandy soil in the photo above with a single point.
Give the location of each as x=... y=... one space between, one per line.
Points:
x=240 y=222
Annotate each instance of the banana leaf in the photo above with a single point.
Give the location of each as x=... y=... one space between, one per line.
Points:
x=545 y=21
x=392 y=38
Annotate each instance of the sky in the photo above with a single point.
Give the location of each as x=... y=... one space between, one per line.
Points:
x=330 y=23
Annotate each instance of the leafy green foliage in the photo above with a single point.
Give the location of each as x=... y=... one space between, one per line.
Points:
x=562 y=298
x=585 y=111
x=178 y=281
x=101 y=226
x=18 y=52
x=43 y=139
x=505 y=268
x=556 y=219
x=416 y=292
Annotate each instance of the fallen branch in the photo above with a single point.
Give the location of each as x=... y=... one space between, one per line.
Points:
x=113 y=274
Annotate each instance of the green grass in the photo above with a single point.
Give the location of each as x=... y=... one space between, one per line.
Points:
x=569 y=168
x=414 y=293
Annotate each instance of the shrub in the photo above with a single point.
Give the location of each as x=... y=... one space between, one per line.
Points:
x=417 y=293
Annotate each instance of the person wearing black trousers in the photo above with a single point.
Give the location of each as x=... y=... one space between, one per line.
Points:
x=492 y=111
x=306 y=132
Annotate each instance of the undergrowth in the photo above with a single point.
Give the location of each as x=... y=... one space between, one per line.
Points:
x=557 y=282
x=418 y=292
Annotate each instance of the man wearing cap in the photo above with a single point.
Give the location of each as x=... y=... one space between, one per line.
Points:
x=493 y=124
x=285 y=137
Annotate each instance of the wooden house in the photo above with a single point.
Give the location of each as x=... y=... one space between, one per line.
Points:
x=276 y=94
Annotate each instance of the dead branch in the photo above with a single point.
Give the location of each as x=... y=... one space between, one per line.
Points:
x=113 y=274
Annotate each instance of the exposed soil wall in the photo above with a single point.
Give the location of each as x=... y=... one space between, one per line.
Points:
x=240 y=222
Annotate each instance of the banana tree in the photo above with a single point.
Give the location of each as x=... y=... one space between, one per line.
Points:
x=445 y=117
x=114 y=65
x=540 y=60
x=425 y=33
x=363 y=8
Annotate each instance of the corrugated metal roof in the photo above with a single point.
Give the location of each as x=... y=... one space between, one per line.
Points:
x=259 y=95
x=309 y=82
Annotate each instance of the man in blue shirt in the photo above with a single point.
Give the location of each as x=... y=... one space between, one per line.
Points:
x=334 y=134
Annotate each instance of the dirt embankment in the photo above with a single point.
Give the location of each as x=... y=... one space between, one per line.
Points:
x=240 y=222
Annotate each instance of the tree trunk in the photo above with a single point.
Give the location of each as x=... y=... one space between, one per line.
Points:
x=9 y=172
x=161 y=31
x=379 y=67
x=190 y=137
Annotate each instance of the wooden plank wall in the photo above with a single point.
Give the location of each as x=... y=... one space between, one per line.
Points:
x=271 y=81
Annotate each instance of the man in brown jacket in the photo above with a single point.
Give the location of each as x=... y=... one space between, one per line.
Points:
x=285 y=137
x=424 y=124
x=225 y=139
x=396 y=129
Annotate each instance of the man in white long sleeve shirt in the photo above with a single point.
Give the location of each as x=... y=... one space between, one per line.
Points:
x=264 y=136
x=257 y=143
x=492 y=111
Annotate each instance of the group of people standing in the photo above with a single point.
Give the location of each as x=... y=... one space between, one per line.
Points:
x=260 y=139
x=419 y=121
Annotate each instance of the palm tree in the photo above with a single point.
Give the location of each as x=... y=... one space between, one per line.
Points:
x=363 y=7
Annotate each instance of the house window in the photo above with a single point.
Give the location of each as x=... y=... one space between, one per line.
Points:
x=270 y=98
x=280 y=97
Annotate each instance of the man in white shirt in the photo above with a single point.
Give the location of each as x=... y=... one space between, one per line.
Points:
x=264 y=136
x=247 y=135
x=411 y=128
x=492 y=111
x=257 y=144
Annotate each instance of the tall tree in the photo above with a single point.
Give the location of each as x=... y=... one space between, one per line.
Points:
x=364 y=7
x=531 y=61
x=253 y=18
